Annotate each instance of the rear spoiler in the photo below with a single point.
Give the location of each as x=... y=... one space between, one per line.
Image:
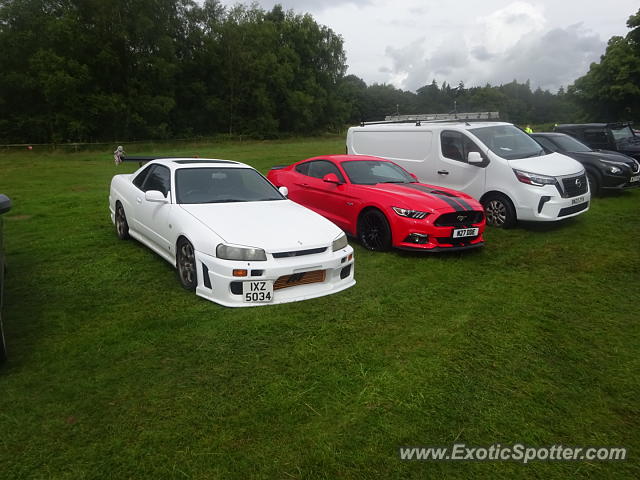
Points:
x=279 y=167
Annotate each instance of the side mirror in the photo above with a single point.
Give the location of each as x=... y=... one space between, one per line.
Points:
x=155 y=196
x=284 y=191
x=474 y=157
x=331 y=178
x=5 y=203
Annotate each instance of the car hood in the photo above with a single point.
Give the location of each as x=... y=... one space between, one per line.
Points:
x=421 y=196
x=554 y=164
x=604 y=155
x=275 y=226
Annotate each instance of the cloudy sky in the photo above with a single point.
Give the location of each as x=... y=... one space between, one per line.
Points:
x=408 y=43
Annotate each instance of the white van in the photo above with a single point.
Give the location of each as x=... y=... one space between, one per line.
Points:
x=494 y=162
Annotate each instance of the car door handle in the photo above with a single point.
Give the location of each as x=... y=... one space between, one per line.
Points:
x=443 y=172
x=138 y=199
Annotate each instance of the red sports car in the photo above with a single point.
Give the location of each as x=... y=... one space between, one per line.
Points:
x=382 y=204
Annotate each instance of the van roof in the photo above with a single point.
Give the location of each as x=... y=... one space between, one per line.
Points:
x=455 y=124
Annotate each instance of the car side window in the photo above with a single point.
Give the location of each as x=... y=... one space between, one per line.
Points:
x=139 y=180
x=598 y=137
x=456 y=146
x=546 y=143
x=303 y=168
x=320 y=168
x=159 y=178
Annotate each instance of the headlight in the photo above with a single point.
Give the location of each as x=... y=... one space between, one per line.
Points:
x=534 y=179
x=229 y=252
x=403 y=212
x=613 y=167
x=339 y=243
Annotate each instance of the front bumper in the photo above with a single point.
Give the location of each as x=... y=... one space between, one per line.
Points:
x=620 y=182
x=545 y=204
x=432 y=238
x=220 y=285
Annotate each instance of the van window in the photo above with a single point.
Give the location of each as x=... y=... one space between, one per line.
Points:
x=456 y=146
x=391 y=144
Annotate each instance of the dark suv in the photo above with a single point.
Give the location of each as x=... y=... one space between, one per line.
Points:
x=619 y=137
x=605 y=169
x=5 y=206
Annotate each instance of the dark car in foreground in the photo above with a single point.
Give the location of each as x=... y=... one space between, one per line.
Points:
x=605 y=169
x=5 y=206
x=617 y=137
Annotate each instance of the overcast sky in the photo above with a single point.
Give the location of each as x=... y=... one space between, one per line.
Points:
x=408 y=43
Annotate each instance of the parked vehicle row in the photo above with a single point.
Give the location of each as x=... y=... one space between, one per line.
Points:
x=240 y=239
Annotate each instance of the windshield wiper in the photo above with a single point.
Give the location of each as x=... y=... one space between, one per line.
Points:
x=536 y=154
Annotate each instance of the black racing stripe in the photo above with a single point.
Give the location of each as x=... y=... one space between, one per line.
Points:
x=463 y=203
x=444 y=196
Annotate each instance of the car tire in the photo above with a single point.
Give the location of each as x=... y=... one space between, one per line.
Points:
x=186 y=265
x=374 y=232
x=499 y=211
x=122 y=227
x=594 y=184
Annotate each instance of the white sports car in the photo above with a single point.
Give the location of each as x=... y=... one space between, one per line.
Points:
x=234 y=238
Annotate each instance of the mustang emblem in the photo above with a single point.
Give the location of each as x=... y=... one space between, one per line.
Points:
x=461 y=217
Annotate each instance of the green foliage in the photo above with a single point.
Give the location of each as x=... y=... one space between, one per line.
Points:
x=105 y=69
x=611 y=89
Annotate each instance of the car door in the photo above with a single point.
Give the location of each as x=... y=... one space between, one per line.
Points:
x=152 y=218
x=326 y=198
x=452 y=169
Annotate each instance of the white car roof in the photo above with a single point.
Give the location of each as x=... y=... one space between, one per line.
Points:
x=186 y=162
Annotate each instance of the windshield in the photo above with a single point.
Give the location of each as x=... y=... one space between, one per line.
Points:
x=223 y=185
x=370 y=172
x=569 y=144
x=622 y=133
x=508 y=142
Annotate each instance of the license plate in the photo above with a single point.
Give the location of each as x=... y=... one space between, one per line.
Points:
x=577 y=200
x=257 y=292
x=465 y=232
x=635 y=178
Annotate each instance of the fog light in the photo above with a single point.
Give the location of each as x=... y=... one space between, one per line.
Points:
x=417 y=238
x=239 y=273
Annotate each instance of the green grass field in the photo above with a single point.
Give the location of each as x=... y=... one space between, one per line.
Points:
x=116 y=372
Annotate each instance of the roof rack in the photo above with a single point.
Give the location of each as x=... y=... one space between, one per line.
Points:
x=437 y=117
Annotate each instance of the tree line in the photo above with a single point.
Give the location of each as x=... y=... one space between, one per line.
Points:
x=92 y=70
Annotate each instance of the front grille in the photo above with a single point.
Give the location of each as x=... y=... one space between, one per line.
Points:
x=569 y=210
x=298 y=253
x=459 y=219
x=304 y=278
x=574 y=186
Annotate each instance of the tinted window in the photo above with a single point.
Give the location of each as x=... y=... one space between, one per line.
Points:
x=303 y=168
x=159 y=179
x=139 y=180
x=596 y=137
x=223 y=185
x=569 y=144
x=320 y=168
x=546 y=143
